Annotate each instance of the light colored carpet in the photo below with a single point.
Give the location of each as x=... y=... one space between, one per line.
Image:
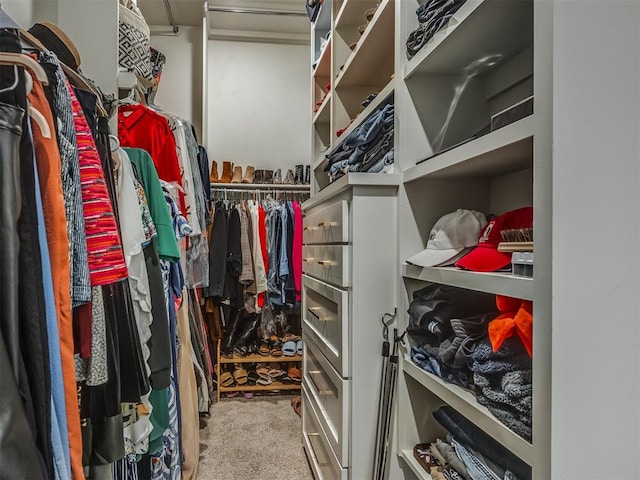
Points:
x=256 y=439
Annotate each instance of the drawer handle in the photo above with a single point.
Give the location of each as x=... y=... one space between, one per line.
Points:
x=322 y=462
x=308 y=260
x=320 y=319
x=327 y=224
x=326 y=263
x=318 y=389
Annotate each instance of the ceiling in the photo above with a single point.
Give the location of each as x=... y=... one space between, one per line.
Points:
x=225 y=24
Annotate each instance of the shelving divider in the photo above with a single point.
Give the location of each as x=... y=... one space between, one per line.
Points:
x=418 y=470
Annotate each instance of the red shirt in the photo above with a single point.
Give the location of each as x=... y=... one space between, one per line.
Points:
x=141 y=127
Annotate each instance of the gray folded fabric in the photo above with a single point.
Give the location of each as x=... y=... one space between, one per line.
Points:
x=518 y=383
x=510 y=357
x=452 y=459
x=467 y=333
x=518 y=423
x=522 y=405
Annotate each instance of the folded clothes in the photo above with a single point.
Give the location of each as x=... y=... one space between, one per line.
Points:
x=432 y=17
x=434 y=306
x=512 y=356
x=516 y=384
x=522 y=405
x=470 y=436
x=517 y=422
x=476 y=464
x=460 y=377
x=385 y=161
x=452 y=459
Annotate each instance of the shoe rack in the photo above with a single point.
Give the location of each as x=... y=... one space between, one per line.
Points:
x=274 y=387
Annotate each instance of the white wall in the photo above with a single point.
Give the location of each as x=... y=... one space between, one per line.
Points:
x=259 y=100
x=180 y=89
x=596 y=241
x=20 y=10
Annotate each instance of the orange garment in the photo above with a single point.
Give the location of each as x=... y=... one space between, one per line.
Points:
x=49 y=172
x=516 y=318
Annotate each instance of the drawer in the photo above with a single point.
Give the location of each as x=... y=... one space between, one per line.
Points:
x=321 y=457
x=325 y=316
x=327 y=225
x=327 y=262
x=330 y=395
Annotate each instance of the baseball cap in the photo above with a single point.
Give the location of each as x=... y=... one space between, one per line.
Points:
x=451 y=237
x=486 y=257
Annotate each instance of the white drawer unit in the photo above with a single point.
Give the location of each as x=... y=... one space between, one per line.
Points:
x=325 y=313
x=327 y=225
x=323 y=461
x=327 y=262
x=350 y=282
x=330 y=394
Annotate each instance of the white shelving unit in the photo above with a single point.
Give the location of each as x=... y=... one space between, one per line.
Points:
x=419 y=472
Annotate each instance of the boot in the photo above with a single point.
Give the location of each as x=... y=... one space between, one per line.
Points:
x=237 y=175
x=247 y=333
x=277 y=177
x=231 y=331
x=288 y=179
x=214 y=173
x=249 y=175
x=268 y=176
x=299 y=175
x=227 y=172
x=307 y=175
x=258 y=177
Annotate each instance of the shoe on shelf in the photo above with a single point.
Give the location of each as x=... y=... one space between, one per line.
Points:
x=227 y=172
x=299 y=175
x=258 y=177
x=268 y=176
x=277 y=177
x=237 y=175
x=240 y=375
x=288 y=178
x=214 y=173
x=307 y=175
x=249 y=175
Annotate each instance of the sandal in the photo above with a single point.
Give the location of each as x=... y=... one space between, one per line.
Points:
x=252 y=376
x=240 y=374
x=289 y=349
x=275 y=372
x=264 y=348
x=248 y=395
x=226 y=379
x=299 y=347
x=263 y=374
x=296 y=403
x=276 y=346
x=295 y=374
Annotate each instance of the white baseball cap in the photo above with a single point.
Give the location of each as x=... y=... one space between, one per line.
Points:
x=452 y=237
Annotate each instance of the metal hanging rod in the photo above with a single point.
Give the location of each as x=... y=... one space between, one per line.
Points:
x=250 y=187
x=256 y=11
x=171 y=18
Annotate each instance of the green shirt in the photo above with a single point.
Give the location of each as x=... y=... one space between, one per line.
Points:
x=166 y=242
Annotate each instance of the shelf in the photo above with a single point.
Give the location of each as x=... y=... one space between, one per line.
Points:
x=372 y=107
x=507 y=150
x=352 y=13
x=323 y=68
x=323 y=115
x=372 y=61
x=352 y=180
x=258 y=186
x=261 y=388
x=496 y=283
x=420 y=472
x=318 y=162
x=323 y=19
x=260 y=359
x=492 y=27
x=465 y=403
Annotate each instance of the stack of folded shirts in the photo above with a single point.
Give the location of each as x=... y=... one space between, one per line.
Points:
x=446 y=323
x=369 y=148
x=432 y=16
x=481 y=456
x=503 y=381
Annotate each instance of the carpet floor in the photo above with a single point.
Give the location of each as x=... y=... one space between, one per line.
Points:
x=256 y=439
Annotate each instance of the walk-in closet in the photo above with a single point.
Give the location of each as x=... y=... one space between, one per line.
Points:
x=319 y=239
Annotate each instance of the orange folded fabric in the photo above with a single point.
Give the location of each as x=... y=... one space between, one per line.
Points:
x=516 y=318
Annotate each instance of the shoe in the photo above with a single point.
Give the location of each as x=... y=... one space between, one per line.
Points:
x=268 y=176
x=240 y=374
x=214 y=173
x=249 y=175
x=246 y=332
x=288 y=178
x=258 y=177
x=227 y=172
x=277 y=177
x=307 y=175
x=228 y=341
x=237 y=175
x=299 y=175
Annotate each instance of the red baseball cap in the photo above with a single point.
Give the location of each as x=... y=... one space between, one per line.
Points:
x=486 y=257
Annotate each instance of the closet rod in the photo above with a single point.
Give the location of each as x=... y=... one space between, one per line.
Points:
x=256 y=11
x=170 y=17
x=251 y=190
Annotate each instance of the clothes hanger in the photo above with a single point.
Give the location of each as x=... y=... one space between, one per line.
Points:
x=19 y=59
